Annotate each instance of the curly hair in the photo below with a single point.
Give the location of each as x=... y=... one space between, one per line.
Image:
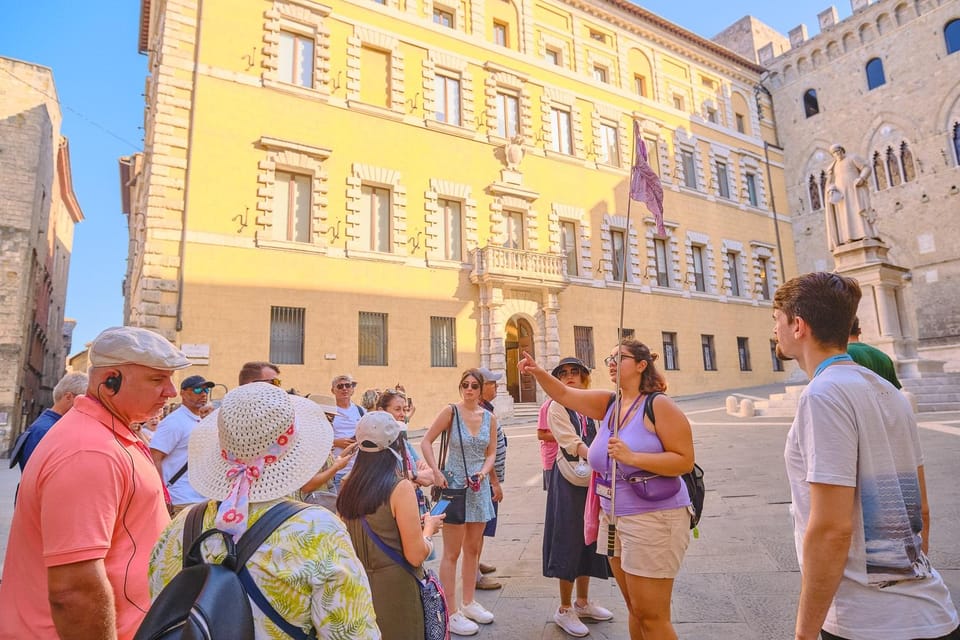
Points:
x=651 y=379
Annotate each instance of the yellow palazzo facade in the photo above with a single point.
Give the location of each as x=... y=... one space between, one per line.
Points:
x=402 y=190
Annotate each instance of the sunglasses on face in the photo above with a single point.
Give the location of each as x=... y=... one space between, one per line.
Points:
x=470 y=385
x=609 y=360
x=563 y=373
x=346 y=385
x=274 y=381
x=199 y=390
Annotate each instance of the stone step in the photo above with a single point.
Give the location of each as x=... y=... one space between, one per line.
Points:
x=936 y=397
x=937 y=406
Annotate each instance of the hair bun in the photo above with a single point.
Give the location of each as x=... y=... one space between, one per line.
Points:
x=654 y=356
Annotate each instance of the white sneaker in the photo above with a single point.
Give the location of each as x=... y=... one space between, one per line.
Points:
x=460 y=626
x=593 y=611
x=476 y=612
x=569 y=622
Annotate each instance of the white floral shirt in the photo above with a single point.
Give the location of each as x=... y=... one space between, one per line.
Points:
x=307 y=569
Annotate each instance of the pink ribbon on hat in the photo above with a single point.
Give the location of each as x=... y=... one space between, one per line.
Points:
x=234 y=511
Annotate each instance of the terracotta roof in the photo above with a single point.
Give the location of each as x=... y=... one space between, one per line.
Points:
x=143 y=40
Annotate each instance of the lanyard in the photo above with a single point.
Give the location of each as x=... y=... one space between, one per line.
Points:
x=622 y=421
x=840 y=357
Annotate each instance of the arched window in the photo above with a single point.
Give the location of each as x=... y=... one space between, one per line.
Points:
x=956 y=141
x=811 y=106
x=893 y=167
x=814 y=189
x=875 y=77
x=906 y=163
x=951 y=33
x=823 y=182
x=879 y=172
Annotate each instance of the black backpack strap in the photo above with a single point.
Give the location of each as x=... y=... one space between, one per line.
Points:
x=192 y=528
x=648 y=407
x=173 y=479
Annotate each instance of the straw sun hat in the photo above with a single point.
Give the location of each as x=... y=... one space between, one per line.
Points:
x=253 y=419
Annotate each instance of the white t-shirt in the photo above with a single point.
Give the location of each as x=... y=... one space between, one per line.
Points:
x=171 y=438
x=854 y=429
x=345 y=426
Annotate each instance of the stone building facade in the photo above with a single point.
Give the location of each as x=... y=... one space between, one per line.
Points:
x=884 y=83
x=405 y=189
x=38 y=211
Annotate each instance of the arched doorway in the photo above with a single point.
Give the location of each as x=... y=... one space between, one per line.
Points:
x=519 y=338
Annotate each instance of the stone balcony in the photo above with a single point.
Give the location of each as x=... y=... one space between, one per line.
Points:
x=502 y=266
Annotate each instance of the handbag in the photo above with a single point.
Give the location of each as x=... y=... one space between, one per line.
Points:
x=457 y=509
x=575 y=469
x=651 y=487
x=435 y=615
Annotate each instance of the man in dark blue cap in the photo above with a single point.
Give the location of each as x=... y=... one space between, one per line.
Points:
x=169 y=444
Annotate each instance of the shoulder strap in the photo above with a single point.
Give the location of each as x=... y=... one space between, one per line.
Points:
x=173 y=479
x=17 y=449
x=360 y=409
x=391 y=553
x=648 y=407
x=192 y=528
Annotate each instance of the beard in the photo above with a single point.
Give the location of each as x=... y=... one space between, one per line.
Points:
x=781 y=355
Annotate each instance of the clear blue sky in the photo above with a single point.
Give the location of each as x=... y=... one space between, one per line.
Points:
x=92 y=49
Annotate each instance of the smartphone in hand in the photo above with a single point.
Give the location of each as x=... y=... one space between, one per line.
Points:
x=440 y=507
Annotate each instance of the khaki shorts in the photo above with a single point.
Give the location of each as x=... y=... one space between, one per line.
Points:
x=650 y=545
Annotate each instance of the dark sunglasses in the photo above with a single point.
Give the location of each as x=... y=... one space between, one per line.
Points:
x=199 y=390
x=274 y=381
x=567 y=372
x=470 y=385
x=346 y=385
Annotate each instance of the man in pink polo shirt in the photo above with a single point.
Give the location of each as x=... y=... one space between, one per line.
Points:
x=91 y=504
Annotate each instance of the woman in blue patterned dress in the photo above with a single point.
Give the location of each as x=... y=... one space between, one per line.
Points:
x=470 y=456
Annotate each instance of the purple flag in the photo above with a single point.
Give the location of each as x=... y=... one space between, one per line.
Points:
x=644 y=183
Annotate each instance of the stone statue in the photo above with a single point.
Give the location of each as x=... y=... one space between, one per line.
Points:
x=849 y=216
x=513 y=153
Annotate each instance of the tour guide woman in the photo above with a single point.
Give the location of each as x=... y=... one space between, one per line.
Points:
x=652 y=533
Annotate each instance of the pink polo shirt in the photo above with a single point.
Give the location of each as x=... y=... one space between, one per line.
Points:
x=90 y=492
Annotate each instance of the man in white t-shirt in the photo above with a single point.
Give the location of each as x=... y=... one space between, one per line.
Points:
x=169 y=444
x=861 y=521
x=345 y=422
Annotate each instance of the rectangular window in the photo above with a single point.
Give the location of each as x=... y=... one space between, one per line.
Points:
x=723 y=180
x=699 y=281
x=764 y=278
x=777 y=362
x=640 y=85
x=712 y=115
x=752 y=189
x=514 y=223
x=568 y=242
x=508 y=115
x=678 y=102
x=741 y=126
x=443 y=17
x=448 y=99
x=617 y=247
x=295 y=65
x=689 y=168
x=671 y=361
x=500 y=34
x=609 y=145
x=375 y=77
x=451 y=232
x=583 y=345
x=663 y=266
x=596 y=35
x=372 y=340
x=560 y=123
x=291 y=207
x=709 y=355
x=553 y=56
x=743 y=351
x=626 y=333
x=286 y=334
x=443 y=342
x=375 y=217
x=733 y=268
x=600 y=73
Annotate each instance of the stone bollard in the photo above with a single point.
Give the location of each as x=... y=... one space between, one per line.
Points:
x=912 y=399
x=732 y=407
x=747 y=408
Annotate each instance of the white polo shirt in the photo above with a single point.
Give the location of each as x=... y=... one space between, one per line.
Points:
x=171 y=438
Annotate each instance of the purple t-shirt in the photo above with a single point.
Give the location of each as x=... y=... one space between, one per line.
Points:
x=636 y=436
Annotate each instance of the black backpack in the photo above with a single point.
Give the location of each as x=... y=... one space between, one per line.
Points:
x=693 y=479
x=209 y=601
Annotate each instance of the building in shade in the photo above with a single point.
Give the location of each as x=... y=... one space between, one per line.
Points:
x=884 y=83
x=38 y=211
x=405 y=189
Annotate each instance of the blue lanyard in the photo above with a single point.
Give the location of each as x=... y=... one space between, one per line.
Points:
x=840 y=357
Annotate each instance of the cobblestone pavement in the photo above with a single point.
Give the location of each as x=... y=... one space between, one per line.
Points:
x=739 y=580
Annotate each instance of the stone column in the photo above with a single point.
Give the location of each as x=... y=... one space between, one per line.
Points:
x=550 y=357
x=495 y=355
